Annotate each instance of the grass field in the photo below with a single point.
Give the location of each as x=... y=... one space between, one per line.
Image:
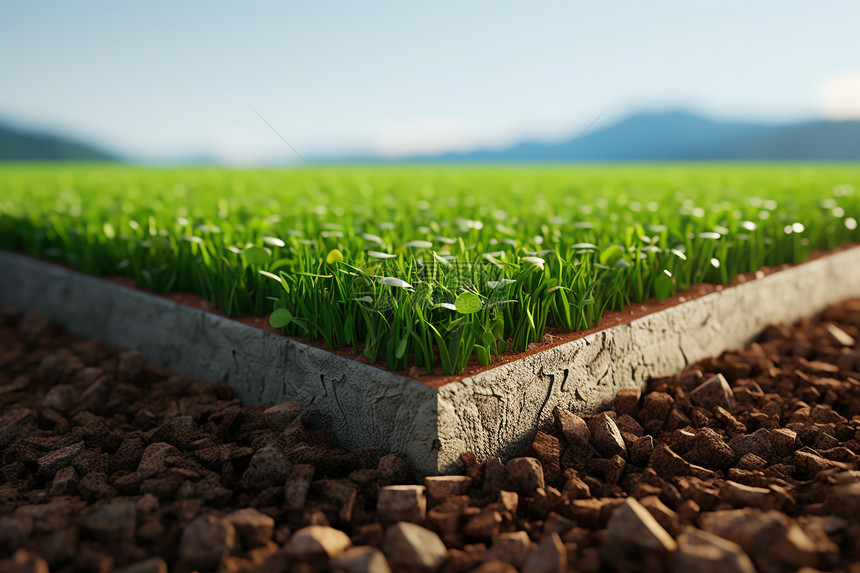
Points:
x=427 y=266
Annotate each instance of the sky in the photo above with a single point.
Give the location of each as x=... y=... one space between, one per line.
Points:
x=160 y=80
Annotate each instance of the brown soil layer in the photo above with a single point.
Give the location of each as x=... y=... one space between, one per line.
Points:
x=746 y=461
x=552 y=337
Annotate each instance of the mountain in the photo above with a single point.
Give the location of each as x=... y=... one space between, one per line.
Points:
x=677 y=136
x=20 y=145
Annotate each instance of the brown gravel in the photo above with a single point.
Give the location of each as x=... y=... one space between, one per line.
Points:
x=745 y=462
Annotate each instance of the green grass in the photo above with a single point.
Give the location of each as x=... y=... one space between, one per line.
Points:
x=428 y=266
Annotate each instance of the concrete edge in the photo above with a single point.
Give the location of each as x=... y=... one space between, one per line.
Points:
x=498 y=411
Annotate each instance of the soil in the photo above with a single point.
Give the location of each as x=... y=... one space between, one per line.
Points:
x=744 y=462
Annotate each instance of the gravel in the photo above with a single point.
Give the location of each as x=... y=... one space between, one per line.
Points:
x=748 y=461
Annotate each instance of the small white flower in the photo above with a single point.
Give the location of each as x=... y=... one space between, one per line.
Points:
x=395 y=282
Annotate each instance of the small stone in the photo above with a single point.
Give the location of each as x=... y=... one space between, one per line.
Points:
x=752 y=529
x=362 y=559
x=741 y=495
x=513 y=548
x=401 y=503
x=606 y=437
x=526 y=474
x=574 y=428
x=705 y=552
x=65 y=482
x=495 y=566
x=626 y=401
x=413 y=548
x=708 y=449
x=206 y=541
x=750 y=461
x=268 y=467
x=757 y=443
x=712 y=393
x=549 y=557
x=15 y=424
x=151 y=565
x=281 y=416
x=316 y=543
x=130 y=366
x=53 y=370
x=668 y=464
x=631 y=525
x=253 y=527
x=440 y=487
x=394 y=469
x=667 y=518
x=484 y=525
x=24 y=561
x=154 y=459
x=94 y=486
x=297 y=486
x=784 y=441
x=641 y=449
x=61 y=398
x=575 y=488
x=656 y=407
x=51 y=463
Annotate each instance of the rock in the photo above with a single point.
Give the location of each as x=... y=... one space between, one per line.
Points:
x=65 y=482
x=526 y=474
x=440 y=487
x=549 y=557
x=667 y=518
x=268 y=467
x=253 y=527
x=95 y=397
x=513 y=548
x=154 y=459
x=130 y=366
x=281 y=416
x=206 y=541
x=297 y=486
x=151 y=565
x=633 y=526
x=757 y=443
x=575 y=488
x=844 y=500
x=574 y=428
x=655 y=407
x=495 y=566
x=707 y=449
x=483 y=525
x=784 y=441
x=668 y=464
x=641 y=450
x=401 y=503
x=52 y=462
x=94 y=486
x=705 y=552
x=316 y=543
x=713 y=392
x=606 y=437
x=362 y=559
x=15 y=424
x=626 y=401
x=547 y=449
x=61 y=398
x=413 y=548
x=839 y=336
x=741 y=495
x=179 y=431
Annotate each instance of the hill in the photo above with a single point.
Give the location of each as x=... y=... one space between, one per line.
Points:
x=20 y=145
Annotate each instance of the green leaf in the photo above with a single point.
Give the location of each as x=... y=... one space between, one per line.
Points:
x=401 y=348
x=611 y=255
x=468 y=303
x=280 y=318
x=257 y=256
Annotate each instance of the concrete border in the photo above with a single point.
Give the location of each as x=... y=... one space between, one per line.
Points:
x=495 y=412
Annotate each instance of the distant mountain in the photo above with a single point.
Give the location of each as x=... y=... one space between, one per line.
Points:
x=677 y=136
x=20 y=145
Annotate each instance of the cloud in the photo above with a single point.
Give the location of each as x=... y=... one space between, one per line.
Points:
x=839 y=97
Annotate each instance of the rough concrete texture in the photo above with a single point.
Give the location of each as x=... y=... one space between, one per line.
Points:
x=495 y=412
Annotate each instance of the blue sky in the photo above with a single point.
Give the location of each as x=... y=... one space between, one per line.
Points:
x=161 y=79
